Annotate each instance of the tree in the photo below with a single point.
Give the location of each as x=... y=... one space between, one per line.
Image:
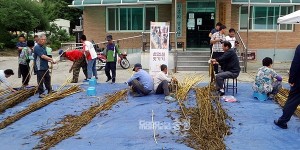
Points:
x=59 y=9
x=22 y=15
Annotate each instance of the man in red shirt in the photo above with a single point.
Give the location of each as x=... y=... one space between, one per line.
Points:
x=79 y=60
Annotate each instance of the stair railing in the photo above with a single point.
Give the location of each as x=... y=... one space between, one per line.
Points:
x=242 y=49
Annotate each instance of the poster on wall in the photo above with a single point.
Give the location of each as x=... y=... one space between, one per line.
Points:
x=159 y=46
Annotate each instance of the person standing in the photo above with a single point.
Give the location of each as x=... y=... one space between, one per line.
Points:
x=265 y=79
x=217 y=39
x=20 y=45
x=24 y=60
x=231 y=38
x=112 y=51
x=141 y=81
x=4 y=74
x=91 y=56
x=79 y=61
x=294 y=96
x=161 y=83
x=36 y=39
x=214 y=30
x=229 y=62
x=41 y=60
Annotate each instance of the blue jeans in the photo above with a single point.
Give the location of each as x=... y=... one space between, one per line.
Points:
x=91 y=68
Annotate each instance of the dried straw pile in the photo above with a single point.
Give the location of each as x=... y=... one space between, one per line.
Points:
x=39 y=104
x=281 y=98
x=207 y=122
x=72 y=124
x=185 y=86
x=16 y=98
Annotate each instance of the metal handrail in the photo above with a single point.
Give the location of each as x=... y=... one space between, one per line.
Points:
x=239 y=36
x=244 y=51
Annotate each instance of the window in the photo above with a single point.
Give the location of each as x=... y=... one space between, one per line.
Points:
x=130 y=19
x=264 y=18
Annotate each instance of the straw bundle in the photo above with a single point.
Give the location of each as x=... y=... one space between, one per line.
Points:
x=281 y=98
x=185 y=86
x=16 y=98
x=39 y=104
x=208 y=121
x=72 y=124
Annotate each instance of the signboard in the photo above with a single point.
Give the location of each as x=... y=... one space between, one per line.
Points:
x=199 y=21
x=250 y=56
x=179 y=19
x=159 y=46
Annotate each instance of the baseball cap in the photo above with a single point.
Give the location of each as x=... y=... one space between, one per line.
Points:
x=137 y=65
x=109 y=37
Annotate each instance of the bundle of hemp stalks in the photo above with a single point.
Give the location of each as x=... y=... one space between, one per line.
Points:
x=39 y=104
x=281 y=98
x=208 y=126
x=16 y=98
x=185 y=86
x=72 y=124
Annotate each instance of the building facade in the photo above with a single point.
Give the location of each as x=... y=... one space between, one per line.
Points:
x=191 y=22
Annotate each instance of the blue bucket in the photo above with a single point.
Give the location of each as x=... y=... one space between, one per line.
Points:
x=91 y=91
x=92 y=82
x=260 y=96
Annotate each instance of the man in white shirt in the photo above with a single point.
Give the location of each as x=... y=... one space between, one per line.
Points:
x=231 y=38
x=161 y=83
x=91 y=57
x=4 y=74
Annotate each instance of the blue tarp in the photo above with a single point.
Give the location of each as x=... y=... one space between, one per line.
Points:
x=128 y=124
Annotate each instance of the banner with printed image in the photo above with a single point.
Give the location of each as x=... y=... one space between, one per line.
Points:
x=159 y=46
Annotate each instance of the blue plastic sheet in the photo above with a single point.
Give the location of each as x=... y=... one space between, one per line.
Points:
x=128 y=125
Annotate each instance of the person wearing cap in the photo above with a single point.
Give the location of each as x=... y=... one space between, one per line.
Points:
x=161 y=83
x=112 y=51
x=20 y=45
x=91 y=56
x=78 y=59
x=4 y=74
x=141 y=81
x=24 y=60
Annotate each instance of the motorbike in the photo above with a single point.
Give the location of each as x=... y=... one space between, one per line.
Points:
x=101 y=61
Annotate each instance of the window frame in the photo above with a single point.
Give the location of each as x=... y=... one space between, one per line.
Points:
x=265 y=30
x=118 y=19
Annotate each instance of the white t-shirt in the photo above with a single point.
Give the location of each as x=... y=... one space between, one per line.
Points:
x=159 y=78
x=231 y=40
x=3 y=80
x=89 y=47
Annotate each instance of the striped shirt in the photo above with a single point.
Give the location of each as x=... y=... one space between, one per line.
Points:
x=217 y=47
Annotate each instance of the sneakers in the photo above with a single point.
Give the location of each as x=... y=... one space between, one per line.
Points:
x=173 y=95
x=74 y=81
x=113 y=80
x=135 y=94
x=271 y=96
x=169 y=98
x=108 y=79
x=42 y=95
x=221 y=92
x=280 y=125
x=85 y=80
x=52 y=91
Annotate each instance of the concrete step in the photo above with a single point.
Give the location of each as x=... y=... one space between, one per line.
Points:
x=197 y=63
x=193 y=58
x=191 y=53
x=198 y=68
x=192 y=68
